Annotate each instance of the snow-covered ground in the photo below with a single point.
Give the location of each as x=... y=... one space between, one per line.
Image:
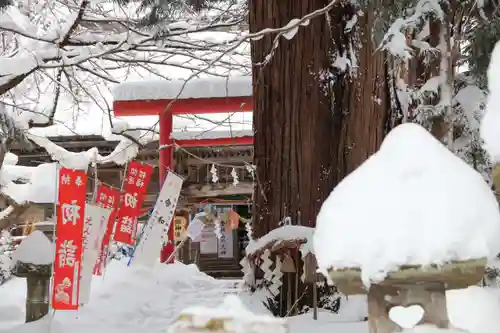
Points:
x=126 y=300
x=132 y=300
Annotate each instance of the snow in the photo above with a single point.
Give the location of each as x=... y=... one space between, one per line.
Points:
x=284 y=233
x=481 y=312
x=490 y=124
x=125 y=151
x=470 y=98
x=237 y=318
x=35 y=249
x=10 y=159
x=39 y=183
x=133 y=300
x=184 y=89
x=413 y=202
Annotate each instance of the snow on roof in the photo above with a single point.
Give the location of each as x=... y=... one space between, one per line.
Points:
x=199 y=135
x=490 y=124
x=285 y=233
x=35 y=249
x=411 y=203
x=213 y=87
x=39 y=183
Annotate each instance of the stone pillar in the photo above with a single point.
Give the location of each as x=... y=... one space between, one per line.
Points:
x=38 y=284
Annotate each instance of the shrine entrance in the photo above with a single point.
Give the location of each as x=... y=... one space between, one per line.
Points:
x=167 y=99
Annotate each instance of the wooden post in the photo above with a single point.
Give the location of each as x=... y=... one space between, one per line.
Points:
x=315 y=301
x=495 y=175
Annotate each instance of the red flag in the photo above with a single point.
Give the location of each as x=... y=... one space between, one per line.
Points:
x=106 y=198
x=69 y=239
x=134 y=190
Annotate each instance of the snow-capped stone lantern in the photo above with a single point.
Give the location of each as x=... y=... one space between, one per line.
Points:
x=230 y=317
x=33 y=260
x=410 y=223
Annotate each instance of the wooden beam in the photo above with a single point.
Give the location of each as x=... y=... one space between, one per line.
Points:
x=219 y=142
x=183 y=106
x=208 y=190
x=221 y=160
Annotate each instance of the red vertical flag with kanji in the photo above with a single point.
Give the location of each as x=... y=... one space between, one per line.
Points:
x=109 y=198
x=133 y=192
x=72 y=190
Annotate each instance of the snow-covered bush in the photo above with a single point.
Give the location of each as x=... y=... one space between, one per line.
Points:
x=328 y=299
x=446 y=89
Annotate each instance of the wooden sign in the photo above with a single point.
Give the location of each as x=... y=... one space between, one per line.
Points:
x=310 y=266
x=180 y=225
x=288 y=264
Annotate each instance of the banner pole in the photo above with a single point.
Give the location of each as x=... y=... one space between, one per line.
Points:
x=51 y=284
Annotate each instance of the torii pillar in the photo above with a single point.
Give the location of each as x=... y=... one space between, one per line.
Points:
x=208 y=97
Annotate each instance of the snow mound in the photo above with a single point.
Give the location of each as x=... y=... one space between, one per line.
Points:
x=45 y=324
x=285 y=233
x=35 y=249
x=130 y=299
x=490 y=124
x=474 y=309
x=411 y=203
x=10 y=159
x=232 y=307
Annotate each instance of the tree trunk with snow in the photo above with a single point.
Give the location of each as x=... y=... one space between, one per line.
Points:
x=321 y=109
x=369 y=116
x=314 y=123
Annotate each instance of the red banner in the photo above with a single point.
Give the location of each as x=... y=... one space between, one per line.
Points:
x=69 y=239
x=106 y=198
x=134 y=189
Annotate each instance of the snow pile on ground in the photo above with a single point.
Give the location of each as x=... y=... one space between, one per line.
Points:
x=234 y=315
x=326 y=323
x=413 y=202
x=130 y=300
x=12 y=303
x=474 y=309
x=35 y=249
x=127 y=299
x=287 y=232
x=490 y=125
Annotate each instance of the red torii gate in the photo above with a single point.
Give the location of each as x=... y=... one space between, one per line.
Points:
x=199 y=96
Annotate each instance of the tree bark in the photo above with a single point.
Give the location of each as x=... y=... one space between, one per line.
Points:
x=311 y=131
x=368 y=117
x=295 y=130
